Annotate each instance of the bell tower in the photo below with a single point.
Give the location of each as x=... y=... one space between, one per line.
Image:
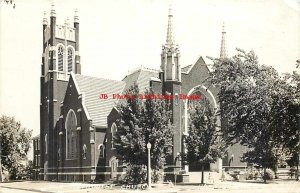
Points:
x=170 y=76
x=60 y=58
x=170 y=64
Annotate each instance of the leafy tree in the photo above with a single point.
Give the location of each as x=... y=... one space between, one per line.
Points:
x=204 y=143
x=253 y=100
x=290 y=120
x=14 y=144
x=142 y=122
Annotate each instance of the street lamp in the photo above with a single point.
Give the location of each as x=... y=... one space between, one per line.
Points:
x=149 y=165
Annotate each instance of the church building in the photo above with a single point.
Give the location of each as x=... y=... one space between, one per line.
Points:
x=77 y=128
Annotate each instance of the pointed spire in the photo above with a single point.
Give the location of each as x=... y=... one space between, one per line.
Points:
x=45 y=20
x=52 y=13
x=76 y=17
x=170 y=35
x=223 y=50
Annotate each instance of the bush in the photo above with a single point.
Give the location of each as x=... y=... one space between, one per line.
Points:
x=270 y=174
x=135 y=174
x=235 y=174
x=252 y=174
x=156 y=176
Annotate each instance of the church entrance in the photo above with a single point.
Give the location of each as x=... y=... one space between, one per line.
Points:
x=114 y=167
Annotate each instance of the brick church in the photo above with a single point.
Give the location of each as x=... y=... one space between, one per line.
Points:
x=76 y=128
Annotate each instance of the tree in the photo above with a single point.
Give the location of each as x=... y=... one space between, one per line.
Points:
x=14 y=144
x=142 y=122
x=252 y=102
x=204 y=142
x=290 y=120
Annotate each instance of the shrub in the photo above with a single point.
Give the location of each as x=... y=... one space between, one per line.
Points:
x=270 y=174
x=156 y=176
x=252 y=174
x=135 y=174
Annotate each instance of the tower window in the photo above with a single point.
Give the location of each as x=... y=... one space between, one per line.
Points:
x=70 y=59
x=60 y=58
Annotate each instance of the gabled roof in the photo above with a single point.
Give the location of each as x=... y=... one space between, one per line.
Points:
x=91 y=87
x=141 y=77
x=200 y=61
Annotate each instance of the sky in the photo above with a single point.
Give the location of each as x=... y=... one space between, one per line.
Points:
x=117 y=36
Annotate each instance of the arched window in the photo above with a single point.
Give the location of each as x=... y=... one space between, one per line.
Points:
x=70 y=59
x=71 y=138
x=113 y=134
x=101 y=149
x=60 y=58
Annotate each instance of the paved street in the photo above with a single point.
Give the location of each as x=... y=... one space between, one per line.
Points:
x=287 y=186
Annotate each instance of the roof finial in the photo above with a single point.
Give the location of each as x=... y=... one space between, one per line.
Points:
x=170 y=39
x=76 y=17
x=223 y=50
x=45 y=20
x=52 y=13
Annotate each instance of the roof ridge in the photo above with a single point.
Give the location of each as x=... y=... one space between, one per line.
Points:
x=99 y=78
x=141 y=67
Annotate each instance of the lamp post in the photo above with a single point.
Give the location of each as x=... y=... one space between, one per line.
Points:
x=149 y=165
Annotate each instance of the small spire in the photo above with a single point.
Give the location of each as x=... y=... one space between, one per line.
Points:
x=45 y=20
x=223 y=50
x=170 y=35
x=52 y=13
x=76 y=17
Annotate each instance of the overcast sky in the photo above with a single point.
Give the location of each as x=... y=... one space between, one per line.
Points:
x=120 y=35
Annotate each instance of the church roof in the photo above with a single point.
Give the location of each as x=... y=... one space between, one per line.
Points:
x=186 y=68
x=141 y=77
x=92 y=87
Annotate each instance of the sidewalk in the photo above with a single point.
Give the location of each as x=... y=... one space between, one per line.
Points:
x=245 y=187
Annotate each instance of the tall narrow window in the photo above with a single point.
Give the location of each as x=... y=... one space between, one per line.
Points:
x=101 y=149
x=113 y=134
x=70 y=59
x=60 y=59
x=71 y=139
x=38 y=144
x=46 y=143
x=84 y=149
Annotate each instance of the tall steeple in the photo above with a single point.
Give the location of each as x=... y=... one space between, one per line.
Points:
x=223 y=50
x=170 y=39
x=170 y=65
